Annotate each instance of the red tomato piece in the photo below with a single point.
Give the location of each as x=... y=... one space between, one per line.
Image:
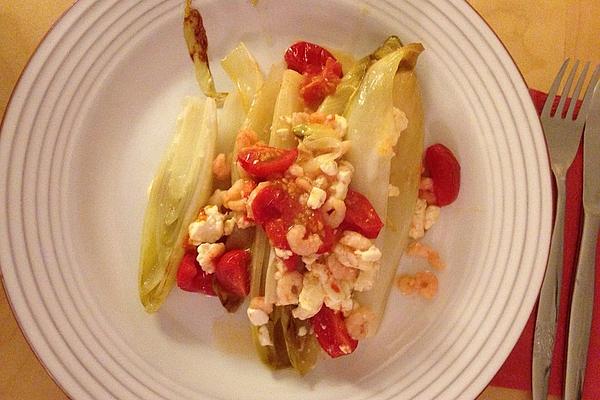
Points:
x=232 y=272
x=361 y=217
x=276 y=230
x=266 y=162
x=316 y=224
x=305 y=57
x=318 y=86
x=444 y=169
x=332 y=334
x=191 y=278
x=270 y=202
x=291 y=263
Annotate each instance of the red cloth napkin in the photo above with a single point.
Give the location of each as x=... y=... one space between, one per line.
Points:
x=516 y=371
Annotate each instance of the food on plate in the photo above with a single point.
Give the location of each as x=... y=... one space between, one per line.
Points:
x=299 y=196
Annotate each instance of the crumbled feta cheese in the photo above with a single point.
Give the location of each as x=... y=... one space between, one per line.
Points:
x=208 y=230
x=263 y=336
x=372 y=254
x=208 y=253
x=308 y=260
x=289 y=287
x=302 y=331
x=393 y=191
x=228 y=226
x=355 y=240
x=311 y=297
x=242 y=221
x=295 y=170
x=257 y=317
x=283 y=253
x=329 y=168
x=338 y=295
x=432 y=214
x=316 y=198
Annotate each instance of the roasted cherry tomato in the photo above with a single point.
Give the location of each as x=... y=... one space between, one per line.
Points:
x=232 y=272
x=266 y=162
x=292 y=262
x=276 y=230
x=305 y=57
x=318 y=86
x=444 y=169
x=316 y=224
x=332 y=334
x=271 y=202
x=360 y=216
x=191 y=278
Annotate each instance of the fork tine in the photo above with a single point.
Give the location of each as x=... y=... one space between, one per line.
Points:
x=587 y=99
x=553 y=89
x=566 y=89
x=577 y=90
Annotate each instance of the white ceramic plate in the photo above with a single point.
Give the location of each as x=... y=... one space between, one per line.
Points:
x=85 y=130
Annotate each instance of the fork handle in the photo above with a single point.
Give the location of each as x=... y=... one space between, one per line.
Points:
x=581 y=309
x=545 y=324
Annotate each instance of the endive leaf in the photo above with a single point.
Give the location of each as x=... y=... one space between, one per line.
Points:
x=197 y=44
x=243 y=70
x=405 y=173
x=336 y=103
x=180 y=188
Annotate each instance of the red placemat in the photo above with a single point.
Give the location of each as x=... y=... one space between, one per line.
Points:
x=516 y=371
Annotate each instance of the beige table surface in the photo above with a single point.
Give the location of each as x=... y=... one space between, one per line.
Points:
x=539 y=34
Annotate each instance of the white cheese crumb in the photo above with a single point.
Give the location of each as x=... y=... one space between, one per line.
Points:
x=263 y=336
x=208 y=230
x=302 y=331
x=311 y=297
x=432 y=214
x=308 y=260
x=372 y=254
x=283 y=253
x=257 y=317
x=207 y=254
x=393 y=191
x=316 y=198
x=228 y=226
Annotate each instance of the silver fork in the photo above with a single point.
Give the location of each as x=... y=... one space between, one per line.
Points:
x=562 y=136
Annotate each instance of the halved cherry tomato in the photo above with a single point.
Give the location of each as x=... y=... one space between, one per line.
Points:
x=316 y=224
x=271 y=202
x=292 y=262
x=332 y=334
x=266 y=162
x=361 y=217
x=305 y=57
x=318 y=86
x=232 y=272
x=191 y=278
x=276 y=230
x=444 y=169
